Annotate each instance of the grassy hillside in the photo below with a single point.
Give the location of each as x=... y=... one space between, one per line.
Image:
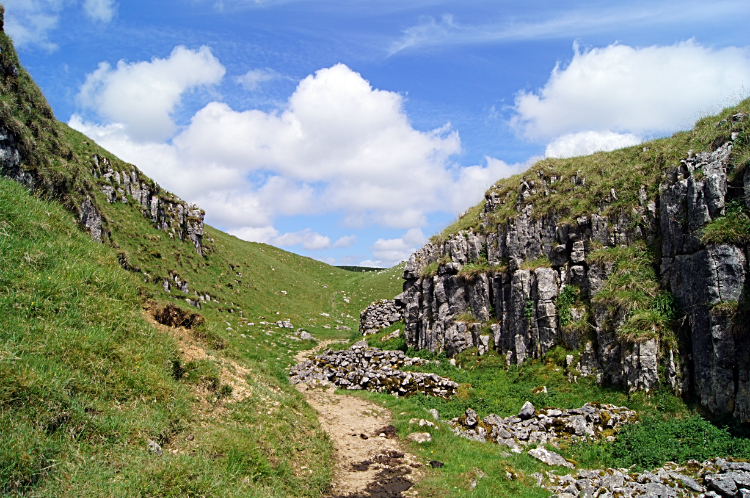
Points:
x=89 y=379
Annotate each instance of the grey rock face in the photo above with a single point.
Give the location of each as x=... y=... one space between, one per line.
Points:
x=523 y=303
x=379 y=315
x=10 y=160
x=168 y=213
x=91 y=219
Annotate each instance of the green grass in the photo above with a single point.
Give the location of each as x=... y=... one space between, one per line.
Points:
x=733 y=228
x=634 y=287
x=85 y=381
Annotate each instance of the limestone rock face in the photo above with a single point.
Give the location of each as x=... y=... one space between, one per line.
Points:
x=167 y=212
x=10 y=160
x=447 y=309
x=91 y=219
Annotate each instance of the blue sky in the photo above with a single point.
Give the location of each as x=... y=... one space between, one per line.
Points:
x=350 y=131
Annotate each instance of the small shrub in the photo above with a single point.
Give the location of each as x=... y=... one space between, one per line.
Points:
x=565 y=302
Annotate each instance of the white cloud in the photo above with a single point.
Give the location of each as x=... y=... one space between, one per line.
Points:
x=563 y=23
x=588 y=142
x=143 y=95
x=100 y=10
x=255 y=234
x=368 y=263
x=633 y=90
x=389 y=252
x=473 y=181
x=252 y=79
x=309 y=239
x=337 y=146
x=29 y=22
x=346 y=241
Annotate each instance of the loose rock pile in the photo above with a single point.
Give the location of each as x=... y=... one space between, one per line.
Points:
x=530 y=426
x=713 y=478
x=364 y=368
x=379 y=315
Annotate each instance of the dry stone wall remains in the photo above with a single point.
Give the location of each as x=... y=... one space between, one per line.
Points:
x=380 y=314
x=364 y=368
x=515 y=310
x=530 y=427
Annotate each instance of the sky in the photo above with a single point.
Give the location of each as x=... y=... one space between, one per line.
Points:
x=351 y=131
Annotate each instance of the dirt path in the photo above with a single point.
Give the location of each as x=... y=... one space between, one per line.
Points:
x=370 y=462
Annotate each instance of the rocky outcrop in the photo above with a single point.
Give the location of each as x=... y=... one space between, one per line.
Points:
x=711 y=479
x=363 y=368
x=379 y=315
x=590 y=422
x=168 y=213
x=91 y=219
x=703 y=277
x=513 y=304
x=10 y=160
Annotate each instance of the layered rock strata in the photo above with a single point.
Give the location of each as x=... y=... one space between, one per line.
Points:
x=590 y=422
x=364 y=368
x=379 y=315
x=711 y=479
x=512 y=305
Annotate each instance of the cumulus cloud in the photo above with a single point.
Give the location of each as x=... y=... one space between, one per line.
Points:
x=252 y=79
x=473 y=181
x=626 y=89
x=345 y=241
x=588 y=142
x=389 y=252
x=142 y=95
x=309 y=239
x=100 y=10
x=338 y=145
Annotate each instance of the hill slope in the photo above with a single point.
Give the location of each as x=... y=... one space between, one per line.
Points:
x=91 y=381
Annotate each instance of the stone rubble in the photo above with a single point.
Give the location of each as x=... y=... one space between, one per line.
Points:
x=713 y=478
x=364 y=368
x=590 y=422
x=379 y=315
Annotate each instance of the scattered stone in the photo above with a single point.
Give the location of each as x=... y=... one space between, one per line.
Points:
x=154 y=447
x=305 y=335
x=527 y=411
x=434 y=414
x=420 y=437
x=550 y=457
x=422 y=422
x=436 y=465
x=713 y=478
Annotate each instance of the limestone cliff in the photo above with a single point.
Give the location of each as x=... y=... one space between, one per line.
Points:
x=535 y=280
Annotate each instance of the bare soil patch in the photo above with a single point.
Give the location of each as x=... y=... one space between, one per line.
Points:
x=370 y=461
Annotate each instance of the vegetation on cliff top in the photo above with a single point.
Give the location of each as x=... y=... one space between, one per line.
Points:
x=623 y=171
